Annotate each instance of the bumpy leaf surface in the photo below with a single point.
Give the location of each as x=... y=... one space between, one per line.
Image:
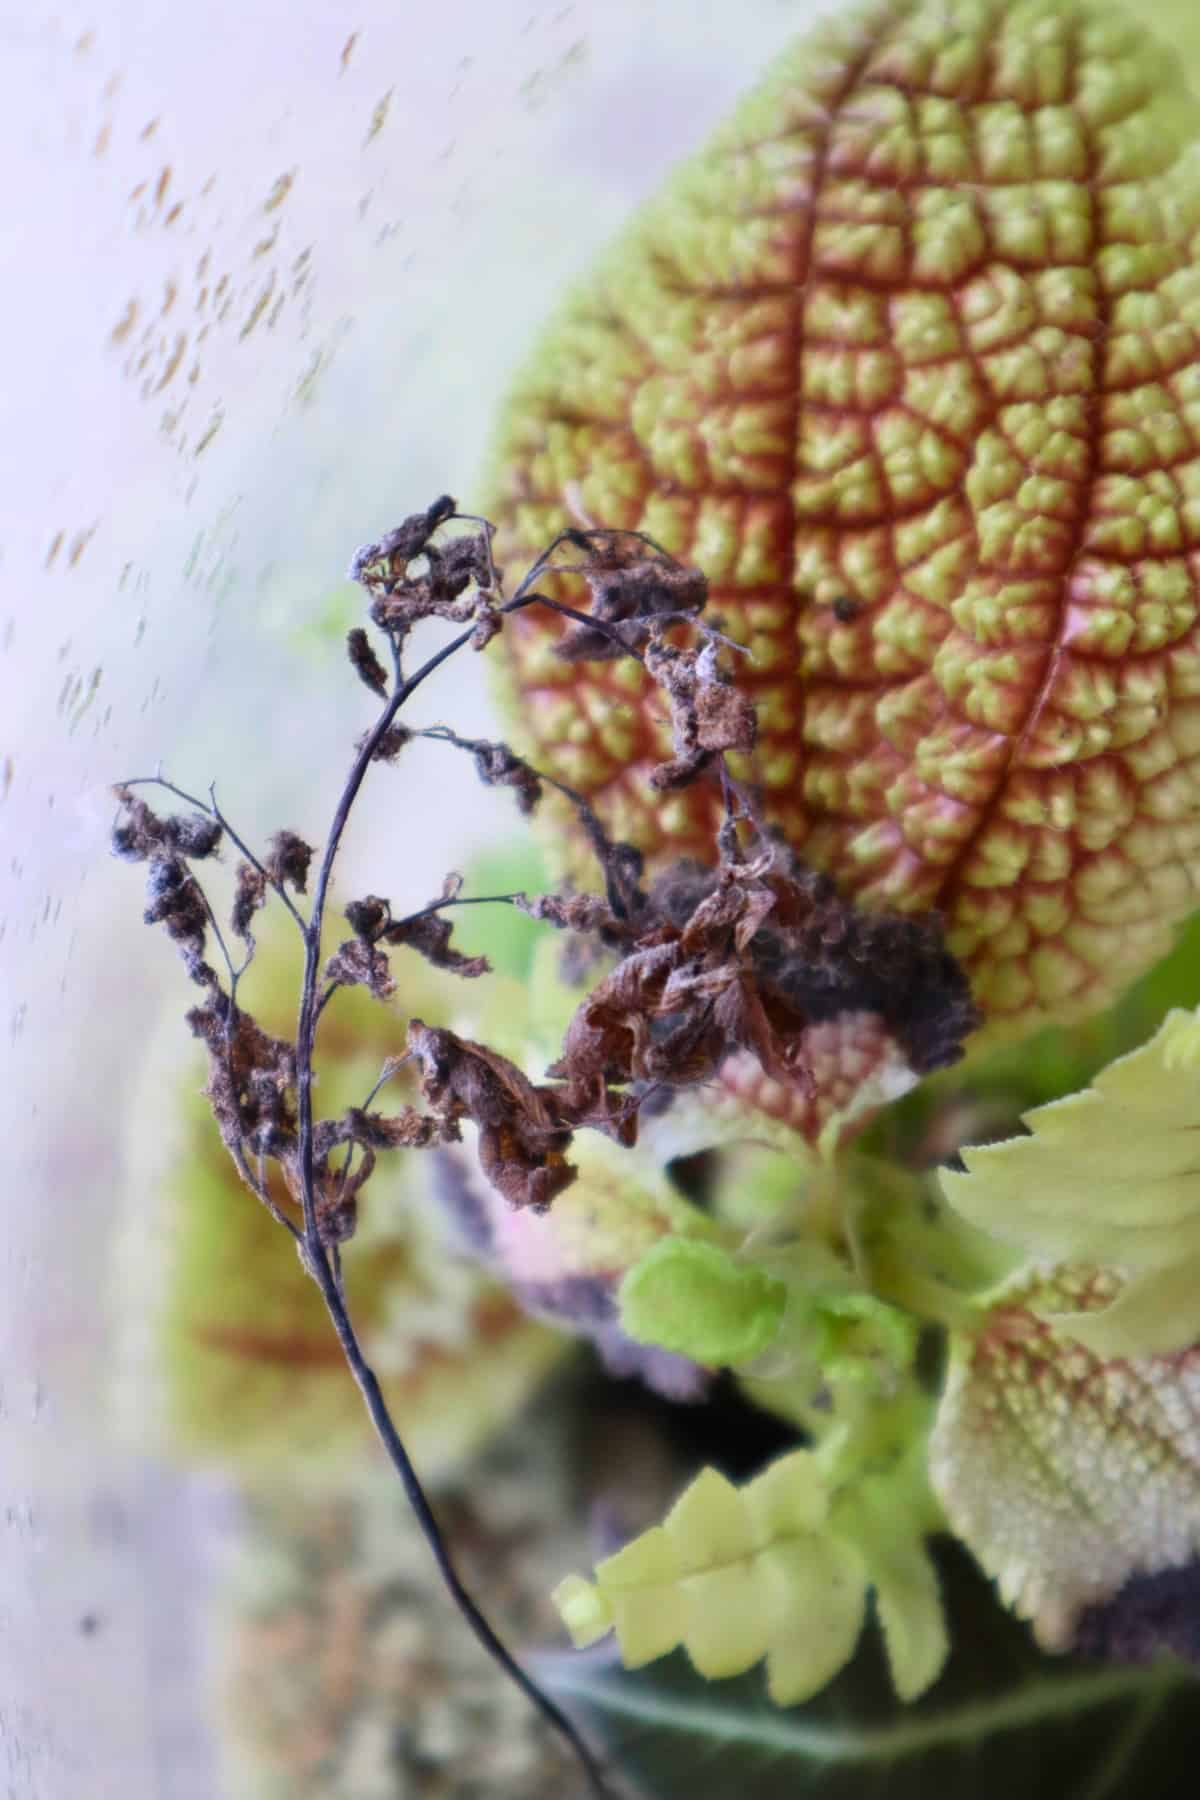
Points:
x=907 y=362
x=1066 y=1474
x=696 y=1299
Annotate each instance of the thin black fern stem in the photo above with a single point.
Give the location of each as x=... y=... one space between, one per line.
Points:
x=189 y=919
x=317 y=1258
x=310 y=1005
x=418 y=1500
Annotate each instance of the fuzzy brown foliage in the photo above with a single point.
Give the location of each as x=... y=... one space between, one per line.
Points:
x=249 y=897
x=365 y=663
x=251 y=1080
x=429 y=933
x=522 y=1133
x=743 y=956
x=748 y=957
x=633 y=586
x=708 y=714
x=455 y=581
x=288 y=860
x=360 y=963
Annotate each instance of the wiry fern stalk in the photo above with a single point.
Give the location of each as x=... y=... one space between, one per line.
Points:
x=186 y=914
x=695 y=977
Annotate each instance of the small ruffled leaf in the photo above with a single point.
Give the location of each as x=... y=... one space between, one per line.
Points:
x=861 y=1338
x=694 y=1298
x=1064 y=1473
x=1110 y=1177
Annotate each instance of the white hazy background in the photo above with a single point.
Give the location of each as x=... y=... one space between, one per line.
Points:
x=265 y=270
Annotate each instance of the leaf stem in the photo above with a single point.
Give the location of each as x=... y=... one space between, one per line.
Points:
x=895 y=1279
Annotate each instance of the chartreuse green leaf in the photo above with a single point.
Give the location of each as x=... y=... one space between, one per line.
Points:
x=860 y=1338
x=779 y=1569
x=1110 y=1178
x=1066 y=1450
x=907 y=1600
x=773 y=1310
x=695 y=1298
x=1066 y=1473
x=733 y=1575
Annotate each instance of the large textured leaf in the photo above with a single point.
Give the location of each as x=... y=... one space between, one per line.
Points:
x=1066 y=1475
x=907 y=361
